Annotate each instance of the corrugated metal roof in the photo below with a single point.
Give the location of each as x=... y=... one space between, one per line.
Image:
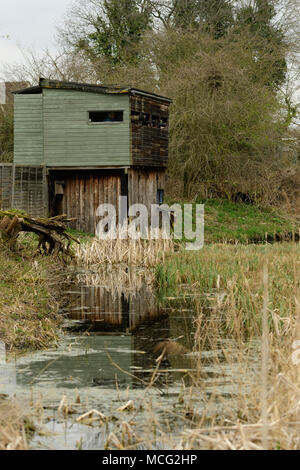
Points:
x=55 y=84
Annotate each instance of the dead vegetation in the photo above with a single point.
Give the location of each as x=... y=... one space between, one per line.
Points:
x=117 y=279
x=143 y=253
x=52 y=232
x=29 y=300
x=16 y=426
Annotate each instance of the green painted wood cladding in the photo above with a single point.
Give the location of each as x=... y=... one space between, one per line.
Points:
x=52 y=128
x=29 y=134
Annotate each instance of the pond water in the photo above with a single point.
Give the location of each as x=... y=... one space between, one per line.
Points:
x=117 y=340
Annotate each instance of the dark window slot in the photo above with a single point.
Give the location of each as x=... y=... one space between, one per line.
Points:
x=149 y=120
x=160 y=196
x=106 y=116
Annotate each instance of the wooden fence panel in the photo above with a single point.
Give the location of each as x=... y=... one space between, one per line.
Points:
x=6 y=174
x=24 y=188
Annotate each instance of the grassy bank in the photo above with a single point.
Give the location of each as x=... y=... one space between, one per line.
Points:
x=28 y=304
x=245 y=223
x=29 y=294
x=228 y=222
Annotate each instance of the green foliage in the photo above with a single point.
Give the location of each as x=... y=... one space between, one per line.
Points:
x=221 y=62
x=6 y=134
x=244 y=223
x=229 y=222
x=116 y=30
x=83 y=237
x=212 y=16
x=224 y=134
x=257 y=19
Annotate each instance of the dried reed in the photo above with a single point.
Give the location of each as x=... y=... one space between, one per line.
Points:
x=14 y=425
x=147 y=253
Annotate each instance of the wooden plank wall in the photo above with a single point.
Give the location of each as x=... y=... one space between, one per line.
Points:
x=143 y=185
x=24 y=188
x=149 y=140
x=84 y=191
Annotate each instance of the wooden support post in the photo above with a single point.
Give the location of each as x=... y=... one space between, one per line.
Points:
x=13 y=186
x=45 y=192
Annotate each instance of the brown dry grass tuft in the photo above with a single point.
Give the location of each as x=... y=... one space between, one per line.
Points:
x=15 y=425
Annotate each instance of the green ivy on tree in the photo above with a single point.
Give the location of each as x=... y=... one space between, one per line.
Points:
x=117 y=31
x=258 y=18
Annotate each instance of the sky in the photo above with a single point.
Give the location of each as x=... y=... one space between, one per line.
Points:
x=26 y=24
x=29 y=24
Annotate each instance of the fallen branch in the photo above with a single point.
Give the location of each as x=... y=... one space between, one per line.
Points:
x=53 y=236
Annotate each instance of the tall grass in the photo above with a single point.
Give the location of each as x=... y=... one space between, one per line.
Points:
x=147 y=253
x=255 y=304
x=236 y=272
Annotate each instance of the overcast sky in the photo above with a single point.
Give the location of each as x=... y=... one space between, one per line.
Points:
x=28 y=23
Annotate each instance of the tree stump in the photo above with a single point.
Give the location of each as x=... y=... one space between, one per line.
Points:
x=10 y=229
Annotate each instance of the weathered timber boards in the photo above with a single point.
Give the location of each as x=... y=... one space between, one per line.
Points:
x=149 y=145
x=149 y=106
x=143 y=185
x=28 y=134
x=84 y=191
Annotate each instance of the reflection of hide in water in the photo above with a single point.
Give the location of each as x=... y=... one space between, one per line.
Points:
x=104 y=310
